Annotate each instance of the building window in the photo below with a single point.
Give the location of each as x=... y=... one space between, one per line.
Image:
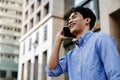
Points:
x=26 y=14
x=22 y=73
x=38 y=16
x=24 y=48
x=14 y=37
x=32 y=8
x=36 y=68
x=28 y=70
x=37 y=38
x=31 y=23
x=27 y=2
x=25 y=28
x=44 y=63
x=2 y=73
x=38 y=3
x=18 y=21
x=46 y=9
x=45 y=33
x=14 y=74
x=19 y=30
x=30 y=44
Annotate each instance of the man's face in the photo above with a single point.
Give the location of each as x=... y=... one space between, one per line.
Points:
x=76 y=23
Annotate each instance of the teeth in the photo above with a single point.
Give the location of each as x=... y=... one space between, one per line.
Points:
x=72 y=24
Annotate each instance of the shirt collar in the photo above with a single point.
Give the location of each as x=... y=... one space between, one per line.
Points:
x=83 y=38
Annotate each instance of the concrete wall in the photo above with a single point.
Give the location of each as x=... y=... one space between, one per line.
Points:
x=110 y=18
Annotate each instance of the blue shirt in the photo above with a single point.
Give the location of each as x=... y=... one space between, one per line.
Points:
x=95 y=57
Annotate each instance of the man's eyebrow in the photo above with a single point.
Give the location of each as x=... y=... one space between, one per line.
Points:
x=72 y=16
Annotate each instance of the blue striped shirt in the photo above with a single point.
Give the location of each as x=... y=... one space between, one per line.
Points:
x=95 y=57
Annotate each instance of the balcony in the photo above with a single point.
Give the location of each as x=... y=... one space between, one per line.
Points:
x=5 y=23
x=7 y=6
x=10 y=15
x=7 y=32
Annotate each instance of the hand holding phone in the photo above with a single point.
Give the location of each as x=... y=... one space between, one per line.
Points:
x=67 y=33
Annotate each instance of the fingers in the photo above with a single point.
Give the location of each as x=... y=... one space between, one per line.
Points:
x=60 y=36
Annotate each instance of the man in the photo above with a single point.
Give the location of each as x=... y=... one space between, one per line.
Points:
x=95 y=56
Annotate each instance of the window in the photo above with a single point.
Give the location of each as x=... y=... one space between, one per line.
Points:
x=18 y=21
x=32 y=8
x=37 y=38
x=38 y=16
x=19 y=30
x=6 y=10
x=38 y=2
x=14 y=74
x=45 y=33
x=36 y=69
x=27 y=2
x=44 y=63
x=22 y=74
x=25 y=28
x=14 y=37
x=46 y=9
x=30 y=44
x=28 y=69
x=24 y=48
x=2 y=73
x=26 y=15
x=31 y=23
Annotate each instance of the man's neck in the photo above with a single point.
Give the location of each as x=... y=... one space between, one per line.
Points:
x=82 y=32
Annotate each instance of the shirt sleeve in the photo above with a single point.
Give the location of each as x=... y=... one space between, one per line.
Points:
x=61 y=68
x=109 y=56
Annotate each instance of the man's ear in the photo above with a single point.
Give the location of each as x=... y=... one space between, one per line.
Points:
x=87 y=20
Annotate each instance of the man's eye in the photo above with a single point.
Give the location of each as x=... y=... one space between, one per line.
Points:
x=74 y=16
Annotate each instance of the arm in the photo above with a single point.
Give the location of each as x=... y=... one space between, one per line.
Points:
x=54 y=59
x=110 y=57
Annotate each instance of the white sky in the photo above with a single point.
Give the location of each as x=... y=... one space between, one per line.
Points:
x=77 y=1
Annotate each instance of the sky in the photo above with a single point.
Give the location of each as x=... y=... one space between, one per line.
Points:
x=78 y=1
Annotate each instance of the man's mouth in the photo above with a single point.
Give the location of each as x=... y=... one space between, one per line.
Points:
x=71 y=25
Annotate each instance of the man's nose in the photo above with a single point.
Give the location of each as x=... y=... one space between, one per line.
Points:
x=70 y=21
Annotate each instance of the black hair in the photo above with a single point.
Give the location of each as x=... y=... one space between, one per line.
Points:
x=86 y=13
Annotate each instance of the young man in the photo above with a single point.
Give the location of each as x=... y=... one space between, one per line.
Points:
x=95 y=56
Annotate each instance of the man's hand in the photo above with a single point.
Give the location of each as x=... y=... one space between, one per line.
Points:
x=61 y=37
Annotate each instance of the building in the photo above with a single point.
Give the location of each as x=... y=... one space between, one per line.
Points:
x=41 y=21
x=10 y=31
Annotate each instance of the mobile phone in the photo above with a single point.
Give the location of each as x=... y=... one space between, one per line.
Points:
x=67 y=33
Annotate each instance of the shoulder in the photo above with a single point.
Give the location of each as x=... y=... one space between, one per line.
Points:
x=101 y=35
x=104 y=38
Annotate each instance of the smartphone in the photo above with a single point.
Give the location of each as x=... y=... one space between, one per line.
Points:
x=67 y=33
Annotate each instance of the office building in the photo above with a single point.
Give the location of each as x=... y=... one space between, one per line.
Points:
x=41 y=21
x=10 y=31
